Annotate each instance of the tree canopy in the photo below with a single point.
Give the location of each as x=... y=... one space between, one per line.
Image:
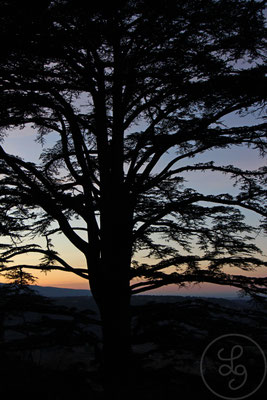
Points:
x=135 y=91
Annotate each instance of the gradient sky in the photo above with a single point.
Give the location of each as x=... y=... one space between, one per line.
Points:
x=22 y=142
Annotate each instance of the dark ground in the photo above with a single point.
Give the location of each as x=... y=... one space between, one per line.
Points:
x=51 y=350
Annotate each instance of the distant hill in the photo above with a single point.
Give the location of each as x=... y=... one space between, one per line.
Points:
x=50 y=291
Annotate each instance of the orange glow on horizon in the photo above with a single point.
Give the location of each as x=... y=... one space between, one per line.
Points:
x=69 y=280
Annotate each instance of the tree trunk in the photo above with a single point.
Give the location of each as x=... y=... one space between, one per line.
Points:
x=116 y=342
x=114 y=285
x=113 y=299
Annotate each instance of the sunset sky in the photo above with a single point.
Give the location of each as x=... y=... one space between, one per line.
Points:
x=22 y=142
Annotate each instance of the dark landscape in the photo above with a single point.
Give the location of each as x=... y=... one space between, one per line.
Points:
x=51 y=347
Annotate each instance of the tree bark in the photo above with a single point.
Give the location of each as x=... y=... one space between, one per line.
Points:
x=114 y=269
x=114 y=305
x=116 y=342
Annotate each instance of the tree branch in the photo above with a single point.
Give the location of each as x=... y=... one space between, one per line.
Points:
x=252 y=285
x=83 y=273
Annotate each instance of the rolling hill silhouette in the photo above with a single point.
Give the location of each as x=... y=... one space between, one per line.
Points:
x=50 y=291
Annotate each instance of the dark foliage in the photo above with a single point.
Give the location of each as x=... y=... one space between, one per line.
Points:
x=90 y=73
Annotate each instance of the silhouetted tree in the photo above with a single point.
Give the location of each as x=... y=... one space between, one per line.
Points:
x=20 y=279
x=135 y=91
